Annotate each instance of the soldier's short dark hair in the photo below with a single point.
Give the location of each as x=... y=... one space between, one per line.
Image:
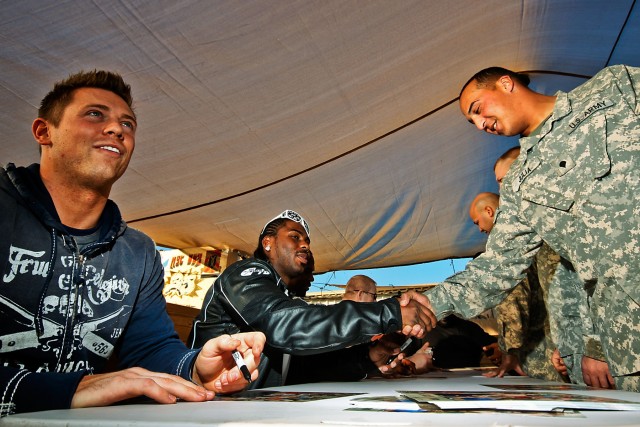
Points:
x=488 y=76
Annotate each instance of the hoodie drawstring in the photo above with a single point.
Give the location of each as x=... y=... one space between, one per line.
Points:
x=39 y=313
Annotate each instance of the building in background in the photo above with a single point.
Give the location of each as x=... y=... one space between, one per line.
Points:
x=188 y=274
x=486 y=320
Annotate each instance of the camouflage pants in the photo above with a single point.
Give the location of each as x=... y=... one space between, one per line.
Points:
x=537 y=361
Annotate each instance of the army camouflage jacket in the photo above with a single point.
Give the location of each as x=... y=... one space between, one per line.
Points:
x=576 y=187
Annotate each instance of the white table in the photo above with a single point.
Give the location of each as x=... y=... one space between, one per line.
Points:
x=330 y=412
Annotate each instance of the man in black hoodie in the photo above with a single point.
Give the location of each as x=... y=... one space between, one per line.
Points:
x=78 y=286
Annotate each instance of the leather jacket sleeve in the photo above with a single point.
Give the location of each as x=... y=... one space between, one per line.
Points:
x=250 y=295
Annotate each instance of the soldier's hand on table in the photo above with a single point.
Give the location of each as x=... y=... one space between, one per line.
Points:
x=493 y=353
x=596 y=373
x=510 y=362
x=558 y=363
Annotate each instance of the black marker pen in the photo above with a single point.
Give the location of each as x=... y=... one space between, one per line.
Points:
x=237 y=357
x=402 y=348
x=241 y=365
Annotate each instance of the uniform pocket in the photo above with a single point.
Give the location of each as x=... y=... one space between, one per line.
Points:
x=548 y=198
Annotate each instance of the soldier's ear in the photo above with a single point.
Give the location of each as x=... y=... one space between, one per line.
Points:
x=505 y=83
x=490 y=211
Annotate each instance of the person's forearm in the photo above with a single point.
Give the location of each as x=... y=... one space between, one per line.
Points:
x=53 y=390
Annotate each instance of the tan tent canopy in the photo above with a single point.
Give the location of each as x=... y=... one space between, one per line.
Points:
x=343 y=110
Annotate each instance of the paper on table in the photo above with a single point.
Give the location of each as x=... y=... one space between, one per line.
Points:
x=385 y=402
x=282 y=396
x=535 y=401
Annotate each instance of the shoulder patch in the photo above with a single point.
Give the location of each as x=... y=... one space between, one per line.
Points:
x=587 y=112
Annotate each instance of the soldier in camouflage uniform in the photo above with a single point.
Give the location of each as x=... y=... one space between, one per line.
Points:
x=576 y=185
x=569 y=324
x=523 y=321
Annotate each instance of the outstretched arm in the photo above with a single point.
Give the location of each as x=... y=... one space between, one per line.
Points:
x=214 y=369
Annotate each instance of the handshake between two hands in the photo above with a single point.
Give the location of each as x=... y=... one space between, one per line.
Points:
x=417 y=314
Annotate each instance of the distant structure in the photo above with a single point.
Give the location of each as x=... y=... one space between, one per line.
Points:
x=486 y=320
x=333 y=297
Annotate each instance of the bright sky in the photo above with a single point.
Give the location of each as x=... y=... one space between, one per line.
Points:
x=430 y=272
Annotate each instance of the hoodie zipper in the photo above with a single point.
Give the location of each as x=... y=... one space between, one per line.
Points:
x=77 y=280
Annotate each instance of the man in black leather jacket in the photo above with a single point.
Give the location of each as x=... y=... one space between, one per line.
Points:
x=305 y=343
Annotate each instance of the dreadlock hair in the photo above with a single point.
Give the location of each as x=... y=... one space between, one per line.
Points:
x=54 y=103
x=488 y=76
x=271 y=229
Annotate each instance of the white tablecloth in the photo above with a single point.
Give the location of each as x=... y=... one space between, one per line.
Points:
x=331 y=412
